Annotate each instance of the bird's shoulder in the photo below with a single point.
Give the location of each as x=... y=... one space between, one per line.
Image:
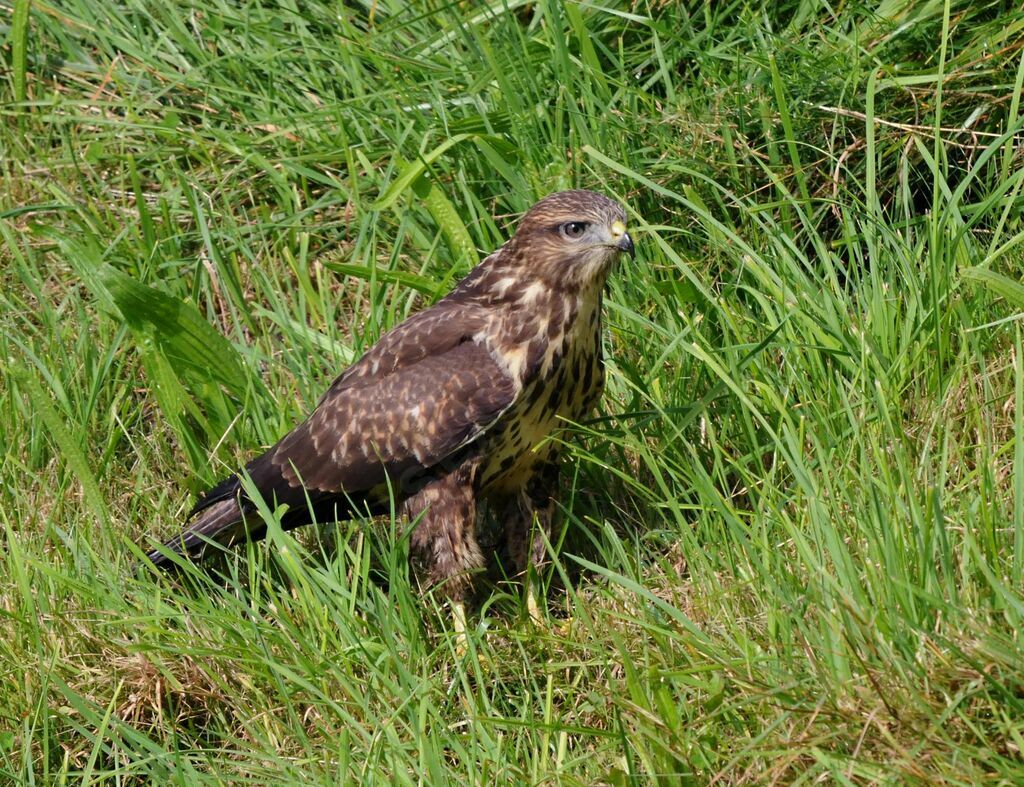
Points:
x=427 y=334
x=467 y=314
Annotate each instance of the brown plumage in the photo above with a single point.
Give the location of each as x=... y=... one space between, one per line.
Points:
x=452 y=406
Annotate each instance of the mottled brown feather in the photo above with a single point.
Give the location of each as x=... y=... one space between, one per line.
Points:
x=407 y=421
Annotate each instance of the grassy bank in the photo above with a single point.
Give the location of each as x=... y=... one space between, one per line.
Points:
x=794 y=538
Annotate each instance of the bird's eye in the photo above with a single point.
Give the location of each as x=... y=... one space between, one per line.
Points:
x=574 y=229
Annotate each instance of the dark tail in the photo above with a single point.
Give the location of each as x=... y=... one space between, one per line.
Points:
x=221 y=522
x=220 y=515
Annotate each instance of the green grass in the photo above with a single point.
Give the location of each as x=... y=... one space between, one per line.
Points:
x=794 y=538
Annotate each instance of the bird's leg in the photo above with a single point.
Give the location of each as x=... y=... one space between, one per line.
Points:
x=528 y=520
x=444 y=541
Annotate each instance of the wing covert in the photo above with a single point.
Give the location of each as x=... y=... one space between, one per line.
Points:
x=404 y=423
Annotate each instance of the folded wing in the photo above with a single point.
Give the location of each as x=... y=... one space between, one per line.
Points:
x=422 y=393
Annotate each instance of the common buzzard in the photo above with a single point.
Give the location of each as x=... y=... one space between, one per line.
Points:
x=451 y=407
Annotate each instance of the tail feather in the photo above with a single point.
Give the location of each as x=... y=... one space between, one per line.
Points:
x=221 y=522
x=226 y=517
x=227 y=488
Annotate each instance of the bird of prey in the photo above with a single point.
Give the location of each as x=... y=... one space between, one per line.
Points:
x=451 y=408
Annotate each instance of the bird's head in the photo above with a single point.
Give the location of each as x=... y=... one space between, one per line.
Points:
x=573 y=236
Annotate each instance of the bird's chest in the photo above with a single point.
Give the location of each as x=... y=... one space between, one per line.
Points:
x=566 y=389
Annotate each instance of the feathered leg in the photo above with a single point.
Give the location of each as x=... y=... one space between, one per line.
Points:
x=444 y=541
x=528 y=518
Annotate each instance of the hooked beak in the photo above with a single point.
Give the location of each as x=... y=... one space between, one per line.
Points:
x=626 y=245
x=623 y=241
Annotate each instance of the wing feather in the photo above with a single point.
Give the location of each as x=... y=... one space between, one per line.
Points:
x=408 y=421
x=422 y=393
x=427 y=388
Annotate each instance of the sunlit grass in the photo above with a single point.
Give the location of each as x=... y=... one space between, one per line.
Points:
x=794 y=542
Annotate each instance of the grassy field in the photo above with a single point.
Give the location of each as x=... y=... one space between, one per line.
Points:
x=794 y=538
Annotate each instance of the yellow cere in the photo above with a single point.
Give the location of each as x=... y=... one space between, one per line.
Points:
x=618 y=229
